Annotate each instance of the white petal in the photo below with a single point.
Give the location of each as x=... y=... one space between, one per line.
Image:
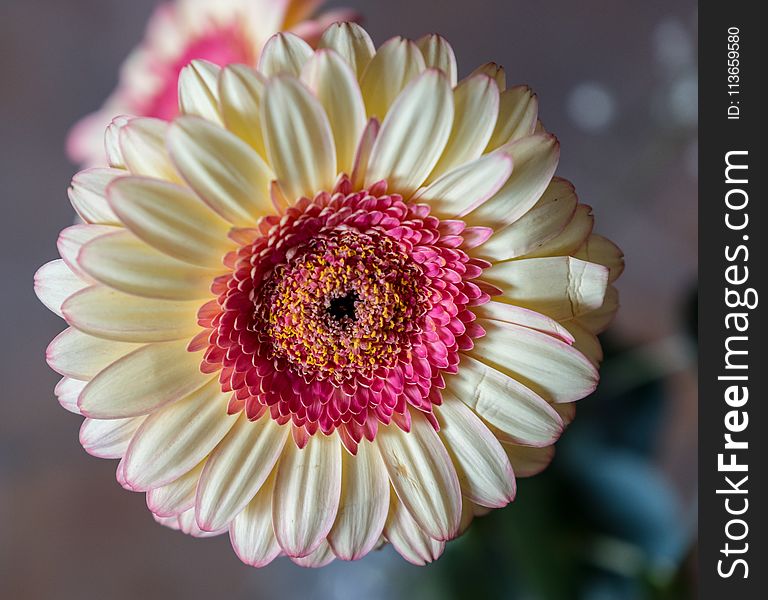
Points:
x=413 y=135
x=88 y=195
x=561 y=287
x=535 y=159
x=112 y=142
x=438 y=54
x=121 y=261
x=108 y=439
x=237 y=469
x=423 y=476
x=174 y=439
x=82 y=356
x=585 y=341
x=142 y=141
x=299 y=139
x=103 y=312
x=352 y=42
x=54 y=283
x=334 y=84
x=571 y=238
x=600 y=250
x=240 y=92
x=307 y=492
x=505 y=403
x=527 y=461
x=551 y=368
x=198 y=90
x=363 y=506
x=171 y=219
x=535 y=228
x=175 y=497
x=483 y=469
x=397 y=62
x=71 y=241
x=67 y=392
x=320 y=557
x=410 y=541
x=251 y=532
x=224 y=171
x=598 y=320
x=477 y=104
x=466 y=187
x=494 y=71
x=363 y=153
x=284 y=53
x=509 y=313
x=518 y=111
x=143 y=381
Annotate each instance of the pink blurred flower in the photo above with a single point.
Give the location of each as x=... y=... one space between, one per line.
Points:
x=219 y=31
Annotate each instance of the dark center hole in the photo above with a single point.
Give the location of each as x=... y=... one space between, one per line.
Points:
x=343 y=306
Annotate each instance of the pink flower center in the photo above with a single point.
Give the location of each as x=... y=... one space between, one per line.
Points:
x=343 y=313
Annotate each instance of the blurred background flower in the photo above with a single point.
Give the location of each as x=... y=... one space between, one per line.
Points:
x=614 y=517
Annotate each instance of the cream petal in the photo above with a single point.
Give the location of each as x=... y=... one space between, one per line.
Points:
x=509 y=313
x=423 y=476
x=121 y=261
x=251 y=532
x=598 y=320
x=54 y=283
x=413 y=135
x=407 y=538
x=535 y=159
x=352 y=42
x=505 y=403
x=174 y=439
x=585 y=341
x=307 y=492
x=483 y=469
x=466 y=187
x=106 y=313
x=108 y=439
x=67 y=392
x=494 y=71
x=241 y=90
x=188 y=525
x=224 y=171
x=600 y=250
x=320 y=557
x=571 y=238
x=112 y=142
x=175 y=497
x=71 y=241
x=561 y=287
x=237 y=469
x=477 y=105
x=299 y=139
x=518 y=112
x=334 y=84
x=284 y=54
x=363 y=506
x=171 y=219
x=80 y=356
x=527 y=461
x=143 y=381
x=397 y=62
x=142 y=141
x=551 y=368
x=88 y=195
x=545 y=221
x=198 y=90
x=363 y=153
x=438 y=54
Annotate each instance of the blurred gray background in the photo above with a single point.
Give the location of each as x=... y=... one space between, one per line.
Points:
x=617 y=85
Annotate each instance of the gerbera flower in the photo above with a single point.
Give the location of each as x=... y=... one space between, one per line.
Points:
x=341 y=300
x=179 y=31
